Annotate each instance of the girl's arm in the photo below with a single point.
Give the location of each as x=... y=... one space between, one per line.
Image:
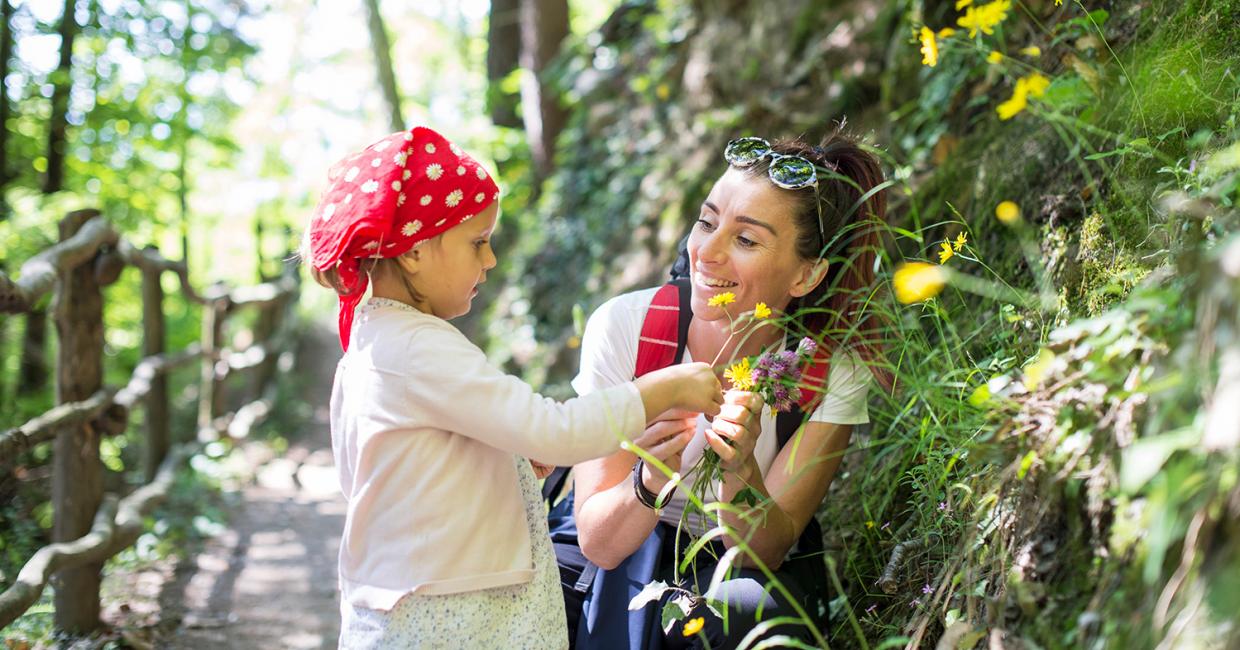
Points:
x=798 y=487
x=452 y=386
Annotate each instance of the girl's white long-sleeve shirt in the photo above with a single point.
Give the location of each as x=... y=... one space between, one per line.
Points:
x=424 y=428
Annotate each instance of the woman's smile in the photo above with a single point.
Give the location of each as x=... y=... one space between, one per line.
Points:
x=711 y=282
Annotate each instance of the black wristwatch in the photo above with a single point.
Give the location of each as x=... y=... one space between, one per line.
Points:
x=644 y=495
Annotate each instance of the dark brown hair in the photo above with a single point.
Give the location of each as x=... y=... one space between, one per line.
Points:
x=836 y=312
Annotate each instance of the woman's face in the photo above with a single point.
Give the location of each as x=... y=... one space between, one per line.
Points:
x=744 y=242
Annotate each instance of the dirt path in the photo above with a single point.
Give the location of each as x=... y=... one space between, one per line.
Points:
x=269 y=581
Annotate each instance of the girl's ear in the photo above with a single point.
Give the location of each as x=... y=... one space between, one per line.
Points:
x=810 y=277
x=410 y=260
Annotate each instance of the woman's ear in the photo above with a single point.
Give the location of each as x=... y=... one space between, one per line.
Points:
x=812 y=274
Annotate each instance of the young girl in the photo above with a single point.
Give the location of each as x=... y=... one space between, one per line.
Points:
x=445 y=541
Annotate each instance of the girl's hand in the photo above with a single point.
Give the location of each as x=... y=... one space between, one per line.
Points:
x=733 y=433
x=541 y=471
x=665 y=439
x=700 y=390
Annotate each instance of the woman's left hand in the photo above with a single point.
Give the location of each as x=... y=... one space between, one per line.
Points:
x=733 y=433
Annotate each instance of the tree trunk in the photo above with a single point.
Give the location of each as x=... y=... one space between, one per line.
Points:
x=544 y=24
x=77 y=479
x=503 y=52
x=158 y=439
x=6 y=53
x=383 y=62
x=32 y=374
x=62 y=83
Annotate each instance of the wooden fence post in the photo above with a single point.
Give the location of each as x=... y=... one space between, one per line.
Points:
x=77 y=478
x=209 y=393
x=153 y=343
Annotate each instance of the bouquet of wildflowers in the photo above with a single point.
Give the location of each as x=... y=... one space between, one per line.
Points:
x=776 y=376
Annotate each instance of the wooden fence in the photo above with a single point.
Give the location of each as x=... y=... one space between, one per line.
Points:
x=90 y=526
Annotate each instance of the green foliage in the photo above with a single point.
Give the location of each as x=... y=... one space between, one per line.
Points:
x=1018 y=489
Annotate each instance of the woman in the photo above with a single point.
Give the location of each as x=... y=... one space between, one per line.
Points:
x=792 y=226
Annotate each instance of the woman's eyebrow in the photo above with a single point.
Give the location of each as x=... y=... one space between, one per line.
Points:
x=743 y=219
x=754 y=222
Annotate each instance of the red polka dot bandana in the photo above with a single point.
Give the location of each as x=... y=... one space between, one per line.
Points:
x=404 y=189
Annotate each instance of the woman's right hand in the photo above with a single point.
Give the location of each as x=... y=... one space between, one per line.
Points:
x=689 y=386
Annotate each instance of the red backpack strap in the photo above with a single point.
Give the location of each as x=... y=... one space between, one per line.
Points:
x=814 y=376
x=664 y=329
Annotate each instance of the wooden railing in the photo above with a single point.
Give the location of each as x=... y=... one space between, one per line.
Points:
x=89 y=525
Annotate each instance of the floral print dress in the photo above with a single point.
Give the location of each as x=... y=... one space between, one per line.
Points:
x=529 y=615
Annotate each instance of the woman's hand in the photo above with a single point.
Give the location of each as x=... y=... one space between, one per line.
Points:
x=733 y=433
x=665 y=439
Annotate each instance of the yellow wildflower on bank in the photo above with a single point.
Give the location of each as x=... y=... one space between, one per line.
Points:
x=1034 y=85
x=740 y=374
x=918 y=281
x=961 y=240
x=994 y=57
x=761 y=311
x=721 y=299
x=1031 y=51
x=945 y=252
x=984 y=18
x=1007 y=212
x=929 y=47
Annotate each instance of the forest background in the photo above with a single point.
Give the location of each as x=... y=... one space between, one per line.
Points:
x=1058 y=464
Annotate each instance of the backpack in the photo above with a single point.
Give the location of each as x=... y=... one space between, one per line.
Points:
x=599 y=598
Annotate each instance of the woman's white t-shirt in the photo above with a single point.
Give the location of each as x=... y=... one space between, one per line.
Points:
x=609 y=357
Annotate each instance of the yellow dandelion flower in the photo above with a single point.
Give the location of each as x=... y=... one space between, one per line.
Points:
x=1007 y=212
x=961 y=240
x=761 y=311
x=994 y=57
x=721 y=299
x=945 y=253
x=740 y=374
x=918 y=281
x=693 y=626
x=1036 y=84
x=984 y=18
x=1031 y=51
x=929 y=47
x=946 y=32
x=1015 y=104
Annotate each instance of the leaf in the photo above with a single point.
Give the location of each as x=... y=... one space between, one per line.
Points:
x=649 y=594
x=675 y=610
x=1146 y=456
x=1037 y=371
x=1026 y=463
x=747 y=496
x=980 y=395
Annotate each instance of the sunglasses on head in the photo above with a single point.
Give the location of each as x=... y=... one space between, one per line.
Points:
x=790 y=172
